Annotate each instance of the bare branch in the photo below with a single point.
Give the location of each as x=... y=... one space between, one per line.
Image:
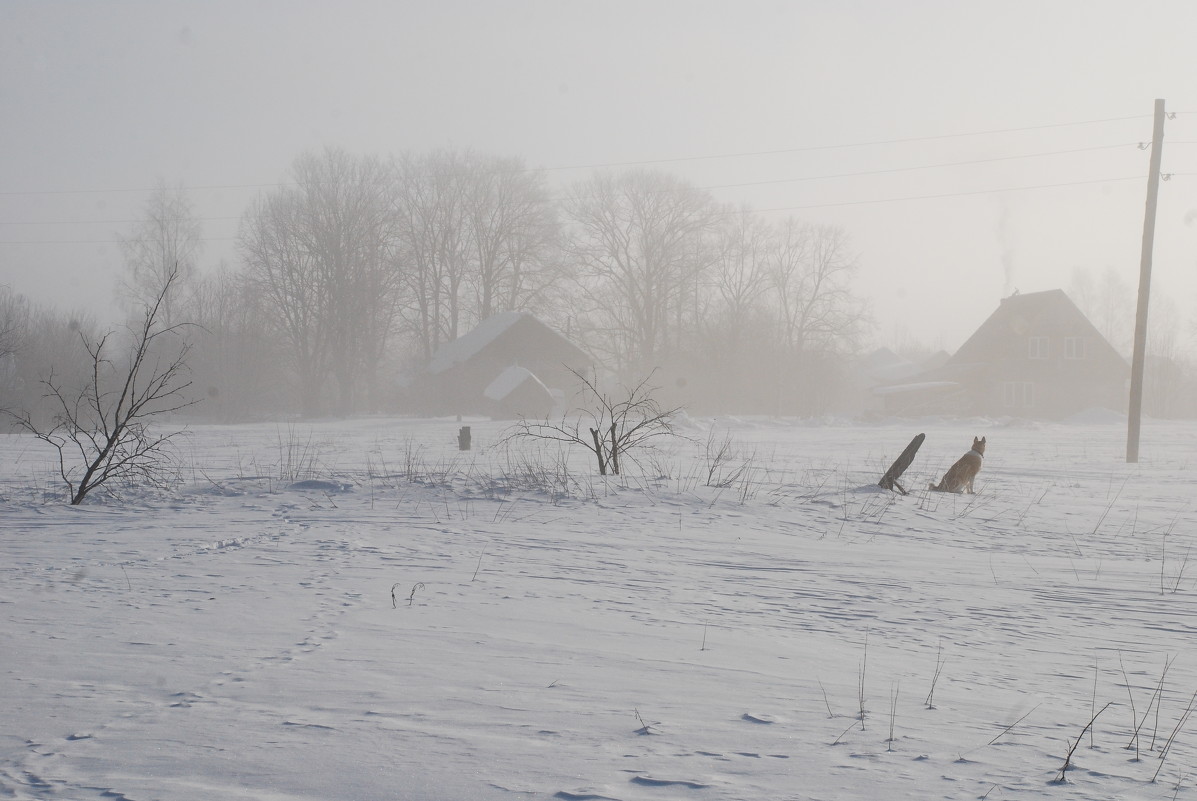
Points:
x=101 y=431
x=612 y=428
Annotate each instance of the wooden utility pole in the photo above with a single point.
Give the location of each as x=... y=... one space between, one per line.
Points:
x=1134 y=411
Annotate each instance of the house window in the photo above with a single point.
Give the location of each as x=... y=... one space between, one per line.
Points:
x=1018 y=394
x=1074 y=347
x=1038 y=348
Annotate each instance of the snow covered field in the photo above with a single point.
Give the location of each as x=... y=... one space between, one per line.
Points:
x=411 y=622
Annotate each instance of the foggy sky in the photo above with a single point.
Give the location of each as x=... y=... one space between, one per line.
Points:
x=101 y=100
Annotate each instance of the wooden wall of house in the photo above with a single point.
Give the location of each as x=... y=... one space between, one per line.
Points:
x=1050 y=389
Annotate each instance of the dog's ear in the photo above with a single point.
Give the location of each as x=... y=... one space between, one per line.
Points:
x=982 y=440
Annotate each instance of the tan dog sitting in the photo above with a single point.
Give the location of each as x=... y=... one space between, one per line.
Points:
x=960 y=476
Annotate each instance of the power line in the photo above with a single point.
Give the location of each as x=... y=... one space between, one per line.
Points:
x=643 y=162
x=775 y=181
x=101 y=241
x=942 y=196
x=874 y=143
x=922 y=166
x=954 y=194
x=105 y=222
x=25 y=193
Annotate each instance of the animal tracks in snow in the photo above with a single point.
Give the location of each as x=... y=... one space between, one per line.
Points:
x=244 y=644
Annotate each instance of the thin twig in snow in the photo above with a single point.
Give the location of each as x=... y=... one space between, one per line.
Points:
x=1012 y=725
x=1061 y=777
x=939 y=663
x=1168 y=745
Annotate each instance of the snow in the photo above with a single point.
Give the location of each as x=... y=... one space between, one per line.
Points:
x=508 y=381
x=1098 y=414
x=920 y=386
x=404 y=620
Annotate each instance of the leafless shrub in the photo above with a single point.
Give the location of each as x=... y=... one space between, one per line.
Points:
x=298 y=456
x=101 y=430
x=725 y=465
x=413 y=462
x=612 y=427
x=537 y=472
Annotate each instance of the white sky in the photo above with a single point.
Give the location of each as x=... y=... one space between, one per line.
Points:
x=101 y=100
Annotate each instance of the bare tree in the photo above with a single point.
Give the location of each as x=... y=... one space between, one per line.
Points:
x=431 y=217
x=47 y=337
x=349 y=232
x=14 y=317
x=613 y=427
x=1109 y=303
x=1108 y=300
x=163 y=248
x=1170 y=375
x=732 y=332
x=285 y=277
x=818 y=315
x=477 y=234
x=102 y=431
x=812 y=276
x=14 y=324
x=740 y=275
x=319 y=254
x=638 y=240
x=513 y=232
x=237 y=360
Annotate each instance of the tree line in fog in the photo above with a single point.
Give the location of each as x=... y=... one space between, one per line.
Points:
x=355 y=269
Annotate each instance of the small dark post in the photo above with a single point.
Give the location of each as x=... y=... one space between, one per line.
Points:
x=463 y=439
x=889 y=481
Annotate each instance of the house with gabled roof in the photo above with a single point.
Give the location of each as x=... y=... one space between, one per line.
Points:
x=509 y=365
x=1036 y=356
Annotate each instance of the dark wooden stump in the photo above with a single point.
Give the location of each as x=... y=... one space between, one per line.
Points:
x=889 y=481
x=463 y=439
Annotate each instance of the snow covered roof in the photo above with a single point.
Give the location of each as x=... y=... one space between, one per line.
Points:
x=534 y=339
x=508 y=381
x=460 y=350
x=1050 y=312
x=884 y=366
x=921 y=386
